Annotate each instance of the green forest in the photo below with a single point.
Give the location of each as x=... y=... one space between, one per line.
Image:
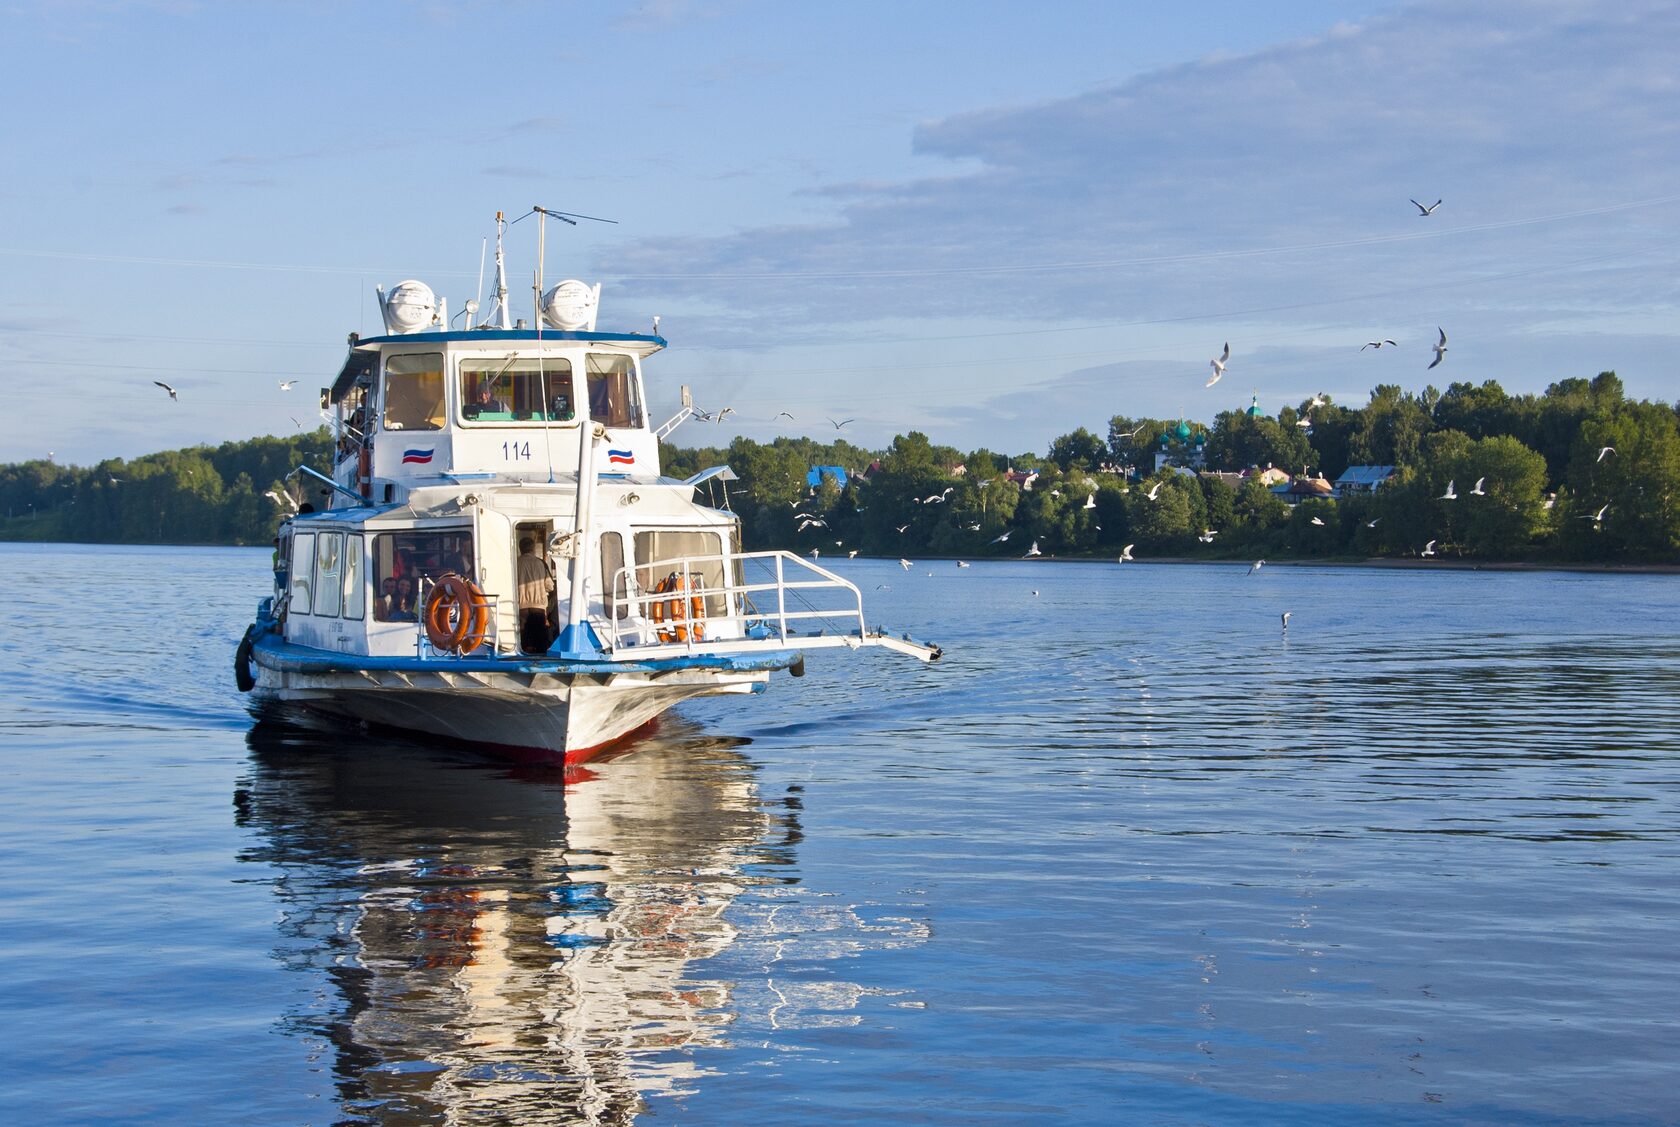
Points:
x=1579 y=473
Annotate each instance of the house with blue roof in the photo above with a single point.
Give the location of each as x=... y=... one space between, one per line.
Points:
x=1362 y=479
x=815 y=477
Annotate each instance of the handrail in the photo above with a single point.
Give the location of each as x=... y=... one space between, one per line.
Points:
x=628 y=621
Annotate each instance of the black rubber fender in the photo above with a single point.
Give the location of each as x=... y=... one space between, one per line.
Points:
x=243 y=676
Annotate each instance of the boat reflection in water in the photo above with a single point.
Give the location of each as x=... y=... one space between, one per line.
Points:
x=507 y=944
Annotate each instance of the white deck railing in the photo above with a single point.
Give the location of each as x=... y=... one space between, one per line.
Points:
x=765 y=600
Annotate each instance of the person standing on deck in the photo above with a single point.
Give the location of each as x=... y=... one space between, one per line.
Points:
x=535 y=586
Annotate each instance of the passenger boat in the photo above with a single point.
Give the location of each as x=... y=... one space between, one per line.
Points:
x=496 y=557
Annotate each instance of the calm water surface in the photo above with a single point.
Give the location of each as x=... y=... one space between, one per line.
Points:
x=1130 y=854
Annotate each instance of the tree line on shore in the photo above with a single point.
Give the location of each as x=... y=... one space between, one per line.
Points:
x=1531 y=474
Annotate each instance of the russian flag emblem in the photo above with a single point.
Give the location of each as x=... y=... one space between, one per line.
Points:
x=417 y=457
x=621 y=457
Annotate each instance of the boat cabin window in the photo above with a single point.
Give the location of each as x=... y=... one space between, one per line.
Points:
x=329 y=548
x=414 y=392
x=613 y=399
x=668 y=549
x=355 y=591
x=303 y=572
x=612 y=558
x=353 y=420
x=406 y=562
x=517 y=390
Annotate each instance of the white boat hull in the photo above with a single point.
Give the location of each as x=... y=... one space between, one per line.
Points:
x=540 y=715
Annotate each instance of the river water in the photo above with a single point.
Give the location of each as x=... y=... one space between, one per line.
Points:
x=1130 y=853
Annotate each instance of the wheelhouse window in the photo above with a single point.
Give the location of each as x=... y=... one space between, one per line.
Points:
x=613 y=398
x=516 y=390
x=668 y=550
x=405 y=563
x=355 y=591
x=303 y=573
x=414 y=392
x=329 y=548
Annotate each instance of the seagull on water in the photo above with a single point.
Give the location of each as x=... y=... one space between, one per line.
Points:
x=1440 y=347
x=962 y=563
x=1218 y=365
x=1476 y=491
x=1126 y=554
x=1286 y=616
x=173 y=394
x=1377 y=344
x=1257 y=565
x=1428 y=549
x=1449 y=495
x=1602 y=450
x=1430 y=210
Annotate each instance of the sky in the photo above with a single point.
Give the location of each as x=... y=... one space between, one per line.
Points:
x=990 y=223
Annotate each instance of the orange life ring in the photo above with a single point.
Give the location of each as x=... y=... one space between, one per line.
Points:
x=457 y=615
x=687 y=616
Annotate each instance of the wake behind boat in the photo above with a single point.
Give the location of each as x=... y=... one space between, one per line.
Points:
x=499 y=559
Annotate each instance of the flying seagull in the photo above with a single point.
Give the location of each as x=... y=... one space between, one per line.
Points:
x=1134 y=432
x=1440 y=347
x=1286 y=616
x=1090 y=501
x=783 y=415
x=999 y=539
x=1207 y=535
x=1372 y=523
x=1377 y=344
x=1449 y=495
x=1258 y=564
x=1218 y=365
x=1598 y=517
x=1476 y=490
x=840 y=424
x=1430 y=210
x=905 y=564
x=1153 y=493
x=1033 y=551
x=1428 y=549
x=1318 y=521
x=173 y=394
x=852 y=555
x=1304 y=422
x=1603 y=451
x=901 y=528
x=287 y=385
x=1319 y=400
x=1126 y=554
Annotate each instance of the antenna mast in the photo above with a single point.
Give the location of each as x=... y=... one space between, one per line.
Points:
x=499 y=312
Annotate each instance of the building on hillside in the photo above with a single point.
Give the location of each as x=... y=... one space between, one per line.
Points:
x=1305 y=489
x=815 y=478
x=1269 y=476
x=1234 y=480
x=1362 y=479
x=1183 y=445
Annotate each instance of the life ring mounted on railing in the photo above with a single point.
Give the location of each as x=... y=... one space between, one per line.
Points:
x=686 y=615
x=457 y=615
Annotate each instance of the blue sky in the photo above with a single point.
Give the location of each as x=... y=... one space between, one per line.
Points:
x=990 y=223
